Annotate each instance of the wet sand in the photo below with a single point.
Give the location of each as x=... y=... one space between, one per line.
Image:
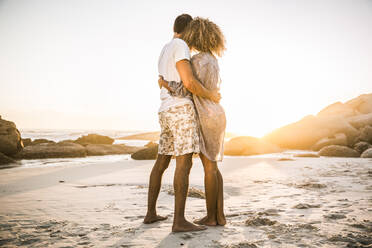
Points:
x=303 y=202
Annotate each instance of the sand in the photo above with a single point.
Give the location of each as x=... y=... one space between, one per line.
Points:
x=304 y=202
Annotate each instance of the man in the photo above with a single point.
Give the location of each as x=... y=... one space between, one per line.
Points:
x=179 y=131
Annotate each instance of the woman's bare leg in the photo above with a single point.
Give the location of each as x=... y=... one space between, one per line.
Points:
x=221 y=219
x=211 y=191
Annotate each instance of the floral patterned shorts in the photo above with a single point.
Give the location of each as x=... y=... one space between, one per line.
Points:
x=179 y=131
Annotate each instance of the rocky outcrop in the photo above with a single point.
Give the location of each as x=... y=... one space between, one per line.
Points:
x=338 y=109
x=365 y=134
x=367 y=153
x=362 y=103
x=360 y=121
x=338 y=151
x=104 y=149
x=26 y=142
x=153 y=136
x=362 y=146
x=94 y=139
x=306 y=132
x=52 y=150
x=337 y=139
x=4 y=160
x=245 y=146
x=10 y=138
x=316 y=131
x=146 y=154
x=150 y=144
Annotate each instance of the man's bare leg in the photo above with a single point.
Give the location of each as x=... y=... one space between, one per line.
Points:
x=181 y=186
x=213 y=183
x=161 y=164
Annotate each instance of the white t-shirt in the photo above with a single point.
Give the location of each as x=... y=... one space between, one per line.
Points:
x=172 y=52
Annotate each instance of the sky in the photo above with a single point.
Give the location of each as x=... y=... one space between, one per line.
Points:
x=89 y=64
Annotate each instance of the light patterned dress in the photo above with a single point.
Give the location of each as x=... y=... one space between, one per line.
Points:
x=211 y=115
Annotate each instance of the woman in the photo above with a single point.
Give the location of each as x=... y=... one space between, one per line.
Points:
x=206 y=38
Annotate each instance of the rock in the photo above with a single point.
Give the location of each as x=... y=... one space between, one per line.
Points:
x=306 y=155
x=306 y=206
x=311 y=185
x=337 y=139
x=52 y=150
x=41 y=141
x=360 y=121
x=306 y=132
x=150 y=144
x=105 y=149
x=146 y=154
x=286 y=159
x=338 y=109
x=26 y=142
x=362 y=103
x=245 y=145
x=338 y=151
x=153 y=136
x=10 y=138
x=94 y=139
x=362 y=146
x=4 y=160
x=367 y=153
x=334 y=216
x=259 y=221
x=365 y=134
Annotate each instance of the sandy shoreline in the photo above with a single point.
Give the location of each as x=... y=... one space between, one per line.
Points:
x=308 y=202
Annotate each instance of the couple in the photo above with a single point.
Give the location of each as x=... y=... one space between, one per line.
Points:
x=191 y=119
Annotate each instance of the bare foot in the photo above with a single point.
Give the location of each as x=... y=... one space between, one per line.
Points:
x=187 y=227
x=206 y=221
x=153 y=218
x=221 y=220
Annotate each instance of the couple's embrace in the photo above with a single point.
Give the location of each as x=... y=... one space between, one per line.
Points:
x=191 y=119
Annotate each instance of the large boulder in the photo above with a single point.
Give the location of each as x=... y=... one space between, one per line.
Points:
x=362 y=146
x=338 y=151
x=338 y=109
x=26 y=142
x=105 y=149
x=10 y=138
x=146 y=153
x=337 y=139
x=367 y=153
x=5 y=160
x=362 y=103
x=360 y=121
x=94 y=139
x=306 y=132
x=366 y=134
x=245 y=146
x=52 y=150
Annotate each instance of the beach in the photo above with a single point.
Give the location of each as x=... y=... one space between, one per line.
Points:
x=269 y=202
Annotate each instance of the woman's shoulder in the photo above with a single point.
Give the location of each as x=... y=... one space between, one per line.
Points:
x=204 y=58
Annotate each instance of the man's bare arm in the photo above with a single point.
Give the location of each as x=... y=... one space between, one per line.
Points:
x=192 y=84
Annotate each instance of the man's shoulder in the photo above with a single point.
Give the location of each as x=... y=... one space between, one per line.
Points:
x=177 y=42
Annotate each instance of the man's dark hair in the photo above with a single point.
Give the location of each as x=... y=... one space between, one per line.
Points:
x=181 y=22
